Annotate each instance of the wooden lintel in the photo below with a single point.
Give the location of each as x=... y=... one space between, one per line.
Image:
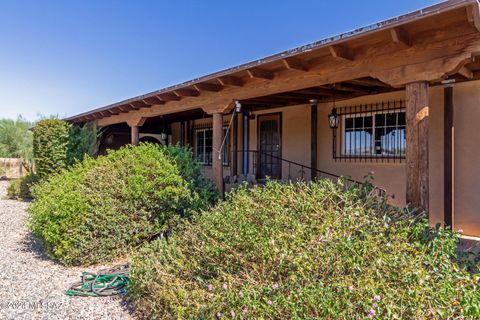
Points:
x=231 y=81
x=400 y=36
x=341 y=52
x=295 y=64
x=168 y=97
x=206 y=86
x=136 y=121
x=473 y=15
x=369 y=82
x=260 y=73
x=187 y=93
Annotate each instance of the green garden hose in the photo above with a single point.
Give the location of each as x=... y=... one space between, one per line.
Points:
x=106 y=282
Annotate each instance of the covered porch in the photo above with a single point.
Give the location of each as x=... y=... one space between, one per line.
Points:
x=392 y=85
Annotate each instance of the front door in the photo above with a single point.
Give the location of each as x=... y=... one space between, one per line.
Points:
x=270 y=146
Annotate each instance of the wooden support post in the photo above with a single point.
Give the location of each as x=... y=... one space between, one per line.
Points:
x=417 y=114
x=135 y=124
x=216 y=155
x=313 y=140
x=135 y=135
x=234 y=159
x=448 y=210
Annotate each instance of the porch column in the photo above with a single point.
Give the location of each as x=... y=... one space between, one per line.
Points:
x=135 y=125
x=313 y=140
x=216 y=145
x=448 y=149
x=417 y=116
x=135 y=135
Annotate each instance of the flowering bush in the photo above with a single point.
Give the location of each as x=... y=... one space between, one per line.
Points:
x=302 y=251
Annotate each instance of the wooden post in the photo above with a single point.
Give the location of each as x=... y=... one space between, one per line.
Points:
x=135 y=124
x=417 y=114
x=135 y=135
x=448 y=210
x=234 y=159
x=313 y=141
x=216 y=145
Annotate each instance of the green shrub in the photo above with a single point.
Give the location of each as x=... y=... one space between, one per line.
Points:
x=303 y=251
x=103 y=208
x=83 y=141
x=20 y=189
x=50 y=145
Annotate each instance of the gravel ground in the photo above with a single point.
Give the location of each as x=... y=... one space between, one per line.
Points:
x=32 y=286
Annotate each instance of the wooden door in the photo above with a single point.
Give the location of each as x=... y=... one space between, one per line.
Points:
x=270 y=146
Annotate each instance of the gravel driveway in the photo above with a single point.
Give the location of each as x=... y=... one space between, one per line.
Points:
x=31 y=285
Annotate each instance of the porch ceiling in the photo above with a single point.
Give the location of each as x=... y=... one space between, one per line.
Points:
x=431 y=44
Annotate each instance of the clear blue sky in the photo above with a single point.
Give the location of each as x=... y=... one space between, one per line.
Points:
x=65 y=57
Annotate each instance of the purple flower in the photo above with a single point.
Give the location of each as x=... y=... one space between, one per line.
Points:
x=232 y=313
x=275 y=286
x=210 y=287
x=245 y=311
x=376 y=297
x=219 y=314
x=269 y=302
x=225 y=286
x=240 y=294
x=350 y=288
x=460 y=231
x=371 y=313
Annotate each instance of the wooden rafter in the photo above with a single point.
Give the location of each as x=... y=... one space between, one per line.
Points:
x=168 y=97
x=260 y=73
x=400 y=36
x=295 y=64
x=206 y=86
x=341 y=52
x=231 y=81
x=154 y=100
x=187 y=93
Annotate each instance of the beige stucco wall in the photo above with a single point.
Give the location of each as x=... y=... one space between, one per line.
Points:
x=390 y=175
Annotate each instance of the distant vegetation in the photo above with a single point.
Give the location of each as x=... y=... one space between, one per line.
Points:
x=16 y=138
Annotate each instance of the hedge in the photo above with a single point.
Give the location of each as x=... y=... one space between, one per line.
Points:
x=104 y=208
x=305 y=251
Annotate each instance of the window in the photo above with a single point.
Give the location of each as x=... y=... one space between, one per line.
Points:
x=203 y=146
x=375 y=131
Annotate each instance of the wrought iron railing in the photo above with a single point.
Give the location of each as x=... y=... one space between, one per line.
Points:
x=294 y=169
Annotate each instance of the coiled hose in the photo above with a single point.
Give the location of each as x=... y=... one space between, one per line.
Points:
x=107 y=282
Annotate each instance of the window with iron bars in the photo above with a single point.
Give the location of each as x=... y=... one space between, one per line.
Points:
x=203 y=150
x=373 y=132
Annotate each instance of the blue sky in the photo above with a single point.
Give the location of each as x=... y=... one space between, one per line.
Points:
x=65 y=57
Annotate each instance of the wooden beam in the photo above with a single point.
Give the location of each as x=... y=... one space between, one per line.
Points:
x=295 y=64
x=206 y=86
x=417 y=114
x=139 y=104
x=369 y=82
x=473 y=15
x=400 y=36
x=448 y=145
x=187 y=93
x=216 y=148
x=168 y=97
x=231 y=81
x=341 y=52
x=260 y=73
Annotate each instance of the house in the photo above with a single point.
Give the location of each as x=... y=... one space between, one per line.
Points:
x=400 y=98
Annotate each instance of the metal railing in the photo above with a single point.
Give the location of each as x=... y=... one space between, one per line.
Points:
x=295 y=170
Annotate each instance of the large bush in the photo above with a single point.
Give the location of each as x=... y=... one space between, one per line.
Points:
x=50 y=145
x=303 y=251
x=103 y=208
x=83 y=141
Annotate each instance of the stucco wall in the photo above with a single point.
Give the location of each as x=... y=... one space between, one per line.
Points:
x=389 y=175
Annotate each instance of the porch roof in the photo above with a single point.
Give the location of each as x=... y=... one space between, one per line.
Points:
x=299 y=68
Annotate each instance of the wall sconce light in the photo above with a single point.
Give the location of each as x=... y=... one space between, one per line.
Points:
x=333 y=118
x=238 y=107
x=163 y=136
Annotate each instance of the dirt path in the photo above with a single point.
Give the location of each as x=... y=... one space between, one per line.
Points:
x=31 y=285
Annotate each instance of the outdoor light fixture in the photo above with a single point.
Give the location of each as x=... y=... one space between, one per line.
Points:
x=163 y=136
x=313 y=102
x=333 y=116
x=238 y=106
